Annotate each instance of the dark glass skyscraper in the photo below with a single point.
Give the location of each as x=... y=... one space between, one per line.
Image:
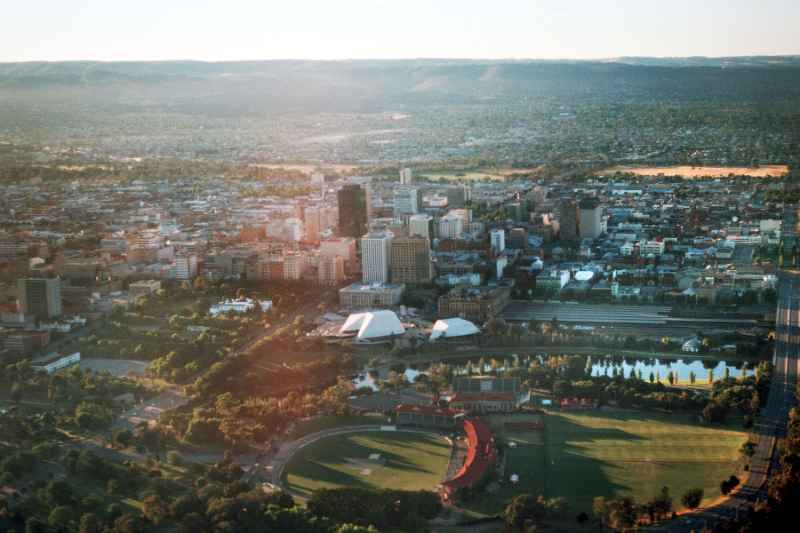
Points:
x=353 y=210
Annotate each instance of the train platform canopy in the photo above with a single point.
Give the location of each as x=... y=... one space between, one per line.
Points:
x=372 y=325
x=453 y=327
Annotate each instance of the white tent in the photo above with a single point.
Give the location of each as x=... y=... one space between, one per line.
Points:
x=373 y=325
x=353 y=323
x=453 y=327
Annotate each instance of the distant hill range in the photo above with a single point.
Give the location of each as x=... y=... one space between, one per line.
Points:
x=347 y=110
x=436 y=74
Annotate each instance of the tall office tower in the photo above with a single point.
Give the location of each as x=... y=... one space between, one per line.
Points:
x=421 y=226
x=590 y=224
x=331 y=270
x=518 y=239
x=312 y=220
x=407 y=201
x=354 y=210
x=451 y=226
x=40 y=297
x=185 y=267
x=498 y=240
x=411 y=260
x=376 y=257
x=568 y=221
x=406 y=176
x=318 y=182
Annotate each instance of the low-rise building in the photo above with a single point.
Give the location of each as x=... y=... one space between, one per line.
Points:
x=484 y=402
x=144 y=288
x=370 y=295
x=426 y=416
x=474 y=303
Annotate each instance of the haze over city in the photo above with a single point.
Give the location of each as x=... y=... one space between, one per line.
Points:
x=368 y=29
x=422 y=266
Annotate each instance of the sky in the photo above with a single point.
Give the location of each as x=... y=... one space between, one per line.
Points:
x=55 y=30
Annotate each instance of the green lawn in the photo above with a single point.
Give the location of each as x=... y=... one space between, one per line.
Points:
x=583 y=455
x=412 y=461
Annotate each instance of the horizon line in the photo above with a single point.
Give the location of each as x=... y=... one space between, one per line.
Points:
x=430 y=58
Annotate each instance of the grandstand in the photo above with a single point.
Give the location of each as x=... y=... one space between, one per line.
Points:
x=480 y=459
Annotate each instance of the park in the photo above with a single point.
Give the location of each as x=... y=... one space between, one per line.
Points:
x=613 y=452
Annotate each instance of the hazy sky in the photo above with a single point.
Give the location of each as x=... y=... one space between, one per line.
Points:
x=339 y=29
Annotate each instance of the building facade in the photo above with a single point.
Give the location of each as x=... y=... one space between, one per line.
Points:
x=421 y=226
x=497 y=238
x=411 y=260
x=568 y=221
x=376 y=257
x=474 y=303
x=370 y=296
x=590 y=225
x=407 y=201
x=331 y=270
x=354 y=210
x=406 y=176
x=40 y=297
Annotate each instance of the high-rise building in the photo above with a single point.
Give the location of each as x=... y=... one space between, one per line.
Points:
x=498 y=240
x=376 y=257
x=568 y=221
x=407 y=201
x=294 y=265
x=518 y=238
x=590 y=224
x=312 y=222
x=451 y=227
x=40 y=297
x=331 y=270
x=406 y=176
x=354 y=210
x=185 y=267
x=411 y=260
x=421 y=226
x=344 y=247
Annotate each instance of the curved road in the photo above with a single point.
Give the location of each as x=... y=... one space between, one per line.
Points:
x=772 y=421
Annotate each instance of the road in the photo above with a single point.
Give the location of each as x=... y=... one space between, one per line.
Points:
x=633 y=319
x=772 y=420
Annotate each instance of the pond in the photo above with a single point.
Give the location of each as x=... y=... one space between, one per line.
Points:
x=370 y=378
x=599 y=367
x=681 y=368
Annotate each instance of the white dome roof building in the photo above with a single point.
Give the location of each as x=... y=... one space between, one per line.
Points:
x=453 y=327
x=372 y=325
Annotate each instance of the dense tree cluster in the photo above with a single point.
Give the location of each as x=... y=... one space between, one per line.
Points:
x=384 y=509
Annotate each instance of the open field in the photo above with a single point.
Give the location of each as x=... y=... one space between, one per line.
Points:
x=310 y=169
x=493 y=174
x=617 y=453
x=462 y=176
x=689 y=172
x=410 y=461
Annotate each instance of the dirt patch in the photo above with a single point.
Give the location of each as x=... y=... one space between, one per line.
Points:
x=690 y=172
x=309 y=169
